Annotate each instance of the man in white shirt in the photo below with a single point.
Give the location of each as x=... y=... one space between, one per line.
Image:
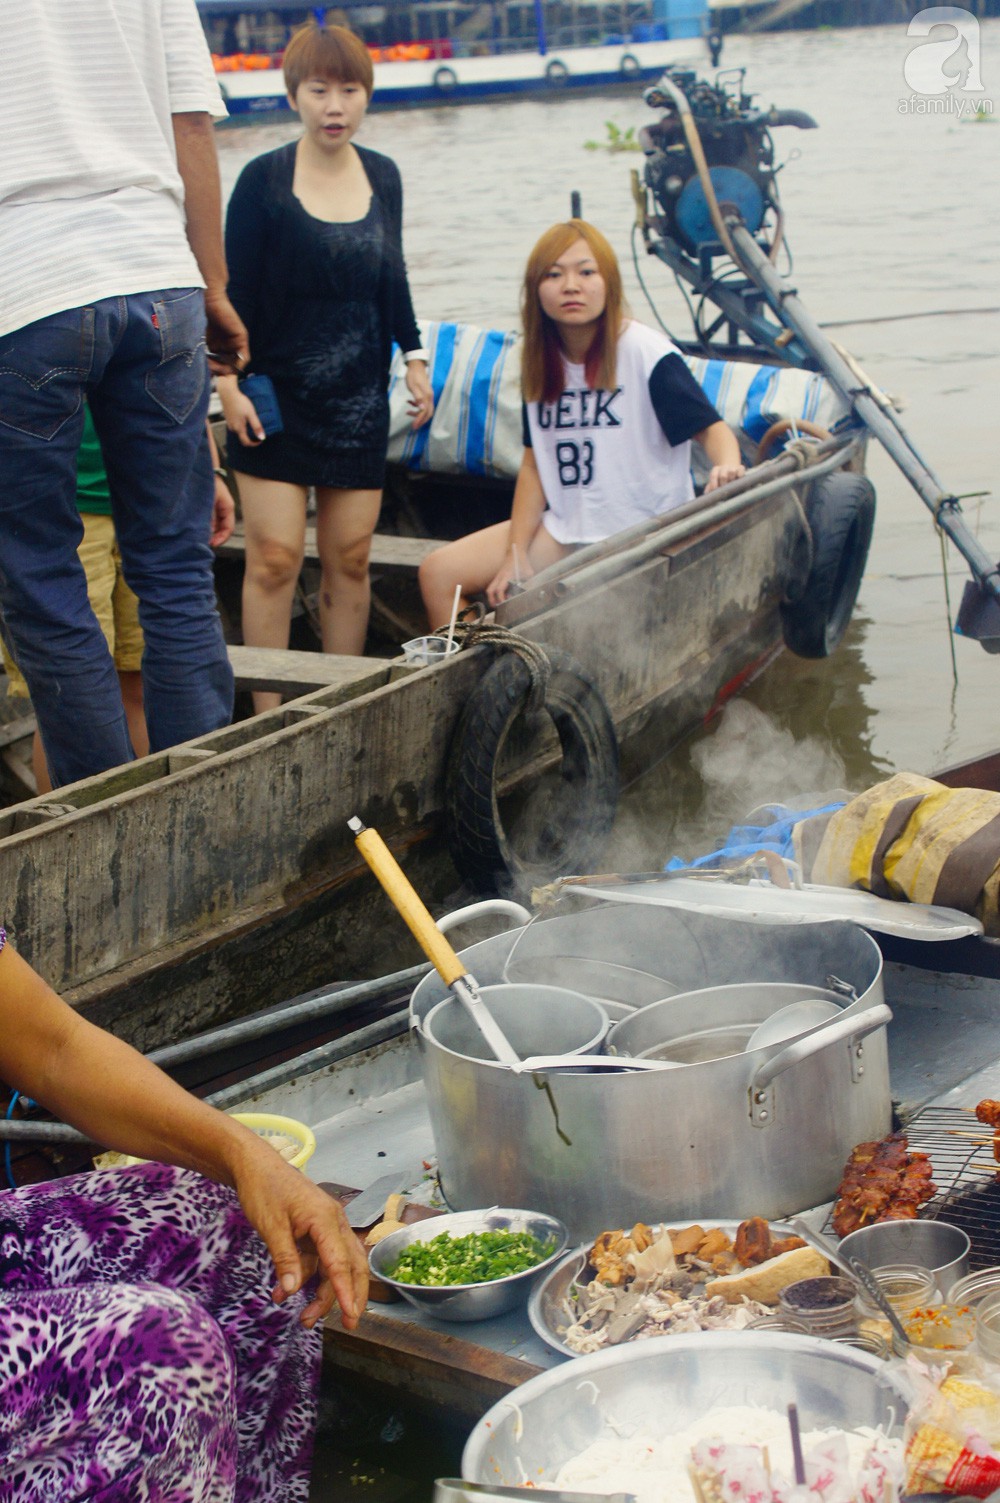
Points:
x=112 y=271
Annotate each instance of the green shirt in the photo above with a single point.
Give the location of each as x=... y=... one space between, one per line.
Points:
x=92 y=491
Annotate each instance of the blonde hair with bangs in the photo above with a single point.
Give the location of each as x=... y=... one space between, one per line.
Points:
x=542 y=371
x=327 y=52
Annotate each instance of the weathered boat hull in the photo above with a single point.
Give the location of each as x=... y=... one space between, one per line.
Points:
x=217 y=878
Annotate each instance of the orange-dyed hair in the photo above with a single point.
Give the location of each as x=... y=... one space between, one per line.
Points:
x=541 y=362
x=327 y=52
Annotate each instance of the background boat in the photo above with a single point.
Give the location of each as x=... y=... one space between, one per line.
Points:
x=476 y=52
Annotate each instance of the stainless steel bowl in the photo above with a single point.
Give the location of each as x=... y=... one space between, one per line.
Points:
x=711 y=1023
x=661 y=1387
x=470 y=1301
x=935 y=1245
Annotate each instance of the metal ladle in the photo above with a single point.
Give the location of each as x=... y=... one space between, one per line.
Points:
x=856 y=1271
x=430 y=939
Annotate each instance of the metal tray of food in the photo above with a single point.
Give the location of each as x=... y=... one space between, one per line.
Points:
x=545 y=1303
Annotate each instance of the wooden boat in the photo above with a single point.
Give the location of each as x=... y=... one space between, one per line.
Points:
x=207 y=881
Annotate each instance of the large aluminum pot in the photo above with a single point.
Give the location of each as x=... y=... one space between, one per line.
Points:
x=763 y=1134
x=661 y=1387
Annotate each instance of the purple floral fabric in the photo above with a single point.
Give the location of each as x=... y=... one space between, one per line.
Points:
x=141 y=1355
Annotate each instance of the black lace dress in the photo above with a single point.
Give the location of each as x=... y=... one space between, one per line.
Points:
x=322 y=303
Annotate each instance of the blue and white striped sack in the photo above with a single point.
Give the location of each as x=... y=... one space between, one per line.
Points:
x=476 y=375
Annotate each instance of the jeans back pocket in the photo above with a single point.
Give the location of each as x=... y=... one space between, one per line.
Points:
x=43 y=369
x=181 y=377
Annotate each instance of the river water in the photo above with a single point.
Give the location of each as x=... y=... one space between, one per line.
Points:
x=888 y=213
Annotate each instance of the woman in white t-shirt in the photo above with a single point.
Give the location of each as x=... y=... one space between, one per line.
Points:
x=610 y=409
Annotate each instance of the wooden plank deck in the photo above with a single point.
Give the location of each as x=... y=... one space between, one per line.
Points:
x=389 y=555
x=301 y=672
x=429 y=1368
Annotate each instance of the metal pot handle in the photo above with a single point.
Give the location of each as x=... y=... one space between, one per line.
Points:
x=848 y=1027
x=502 y=906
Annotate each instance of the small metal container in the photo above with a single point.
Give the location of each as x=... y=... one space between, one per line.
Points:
x=469 y=1301
x=936 y=1245
x=987 y=1313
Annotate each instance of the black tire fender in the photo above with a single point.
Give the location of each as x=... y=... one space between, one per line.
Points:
x=840 y=511
x=556 y=71
x=629 y=65
x=483 y=851
x=444 y=80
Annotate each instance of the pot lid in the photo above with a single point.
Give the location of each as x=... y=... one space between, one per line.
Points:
x=808 y=904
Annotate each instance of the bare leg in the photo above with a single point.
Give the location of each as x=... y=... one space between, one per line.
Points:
x=345 y=521
x=472 y=562
x=134 y=713
x=274 y=515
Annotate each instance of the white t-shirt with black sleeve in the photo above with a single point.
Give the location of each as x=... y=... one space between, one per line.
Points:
x=609 y=459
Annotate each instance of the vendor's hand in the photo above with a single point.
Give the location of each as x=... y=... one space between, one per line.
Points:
x=305 y=1230
x=421 y=402
x=721 y=474
x=228 y=341
x=241 y=418
x=499 y=586
x=223 y=514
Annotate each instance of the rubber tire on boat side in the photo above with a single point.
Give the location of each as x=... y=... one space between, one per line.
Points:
x=445 y=79
x=841 y=515
x=479 y=845
x=629 y=65
x=557 y=72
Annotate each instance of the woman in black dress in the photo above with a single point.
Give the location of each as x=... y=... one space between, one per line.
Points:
x=314 y=244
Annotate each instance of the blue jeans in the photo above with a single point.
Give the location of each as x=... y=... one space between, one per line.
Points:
x=140 y=361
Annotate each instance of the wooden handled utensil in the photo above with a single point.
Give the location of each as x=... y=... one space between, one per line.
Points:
x=428 y=936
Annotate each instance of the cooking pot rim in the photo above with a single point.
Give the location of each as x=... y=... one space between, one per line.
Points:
x=593 y=1045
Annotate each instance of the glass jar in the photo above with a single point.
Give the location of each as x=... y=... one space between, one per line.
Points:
x=944 y=1332
x=825 y=1306
x=907 y=1287
x=778 y=1321
x=975 y=1287
x=868 y=1341
x=987 y=1313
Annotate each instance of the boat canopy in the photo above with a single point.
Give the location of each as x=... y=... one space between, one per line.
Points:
x=476 y=373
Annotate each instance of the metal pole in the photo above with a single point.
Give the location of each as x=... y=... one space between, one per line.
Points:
x=880 y=421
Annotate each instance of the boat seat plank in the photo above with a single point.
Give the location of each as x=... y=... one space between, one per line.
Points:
x=428 y=1366
x=300 y=672
x=392 y=555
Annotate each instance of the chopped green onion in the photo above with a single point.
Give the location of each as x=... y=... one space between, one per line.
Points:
x=477 y=1258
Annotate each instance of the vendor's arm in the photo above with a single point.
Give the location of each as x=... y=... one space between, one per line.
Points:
x=404 y=328
x=249 y=251
x=110 y=1092
x=526 y=515
x=198 y=166
x=723 y=454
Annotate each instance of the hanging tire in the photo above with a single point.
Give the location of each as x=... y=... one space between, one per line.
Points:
x=570 y=811
x=445 y=80
x=841 y=514
x=629 y=65
x=556 y=72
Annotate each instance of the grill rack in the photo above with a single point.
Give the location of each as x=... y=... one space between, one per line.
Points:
x=967 y=1195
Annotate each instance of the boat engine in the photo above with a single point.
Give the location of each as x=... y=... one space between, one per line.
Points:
x=738 y=150
x=714 y=133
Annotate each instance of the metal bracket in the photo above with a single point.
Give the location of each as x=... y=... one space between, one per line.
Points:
x=856 y=1050
x=762 y=1107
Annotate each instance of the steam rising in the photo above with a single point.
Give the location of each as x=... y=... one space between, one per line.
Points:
x=751 y=761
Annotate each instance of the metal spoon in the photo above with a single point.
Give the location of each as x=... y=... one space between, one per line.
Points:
x=856 y=1271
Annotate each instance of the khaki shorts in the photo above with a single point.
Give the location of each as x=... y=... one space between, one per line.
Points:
x=113 y=603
